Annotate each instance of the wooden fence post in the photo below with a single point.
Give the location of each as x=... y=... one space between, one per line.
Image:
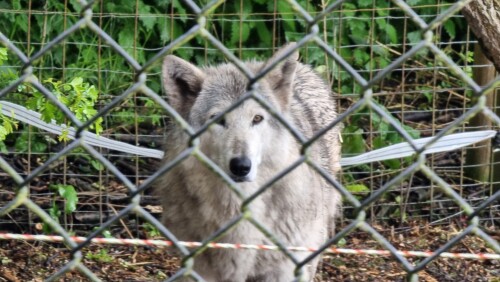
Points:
x=478 y=158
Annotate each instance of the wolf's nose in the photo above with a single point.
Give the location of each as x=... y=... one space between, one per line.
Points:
x=240 y=166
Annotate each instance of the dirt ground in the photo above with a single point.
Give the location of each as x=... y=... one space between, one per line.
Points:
x=36 y=261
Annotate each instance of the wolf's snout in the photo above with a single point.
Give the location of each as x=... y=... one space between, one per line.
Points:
x=240 y=166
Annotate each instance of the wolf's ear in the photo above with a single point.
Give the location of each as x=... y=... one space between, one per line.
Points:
x=282 y=76
x=182 y=81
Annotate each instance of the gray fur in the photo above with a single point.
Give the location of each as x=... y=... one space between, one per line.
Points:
x=299 y=208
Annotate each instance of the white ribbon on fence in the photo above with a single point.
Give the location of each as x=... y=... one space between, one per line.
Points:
x=33 y=118
x=446 y=143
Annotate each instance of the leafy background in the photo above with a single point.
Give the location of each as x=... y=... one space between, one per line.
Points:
x=85 y=73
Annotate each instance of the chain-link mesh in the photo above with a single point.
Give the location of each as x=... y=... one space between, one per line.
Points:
x=199 y=29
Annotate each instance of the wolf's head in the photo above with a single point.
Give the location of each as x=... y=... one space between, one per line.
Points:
x=247 y=137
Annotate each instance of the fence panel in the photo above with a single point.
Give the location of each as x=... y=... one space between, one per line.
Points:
x=401 y=71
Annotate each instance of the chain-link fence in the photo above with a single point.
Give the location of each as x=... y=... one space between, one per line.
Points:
x=402 y=71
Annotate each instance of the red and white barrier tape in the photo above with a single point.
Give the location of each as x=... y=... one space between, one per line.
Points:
x=163 y=243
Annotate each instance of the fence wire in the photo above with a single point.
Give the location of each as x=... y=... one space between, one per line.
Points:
x=132 y=200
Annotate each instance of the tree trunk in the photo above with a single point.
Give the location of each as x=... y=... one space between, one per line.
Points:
x=483 y=17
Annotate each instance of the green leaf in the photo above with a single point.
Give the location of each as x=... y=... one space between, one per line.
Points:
x=16 y=4
x=358 y=27
x=49 y=111
x=126 y=37
x=378 y=142
x=287 y=14
x=360 y=56
x=428 y=96
x=97 y=165
x=147 y=20
x=413 y=2
x=342 y=242
x=348 y=9
x=70 y=196
x=383 y=129
x=3 y=55
x=365 y=3
x=245 y=10
x=391 y=33
x=54 y=212
x=38 y=147
x=239 y=32
x=381 y=23
x=3 y=133
x=101 y=256
x=382 y=8
x=358 y=188
x=265 y=35
x=64 y=136
x=164 y=29
x=3 y=148
x=76 y=82
x=353 y=140
x=180 y=11
x=7 y=125
x=21 y=144
x=107 y=234
x=393 y=137
x=414 y=37
x=393 y=164
x=412 y=131
x=21 y=20
x=382 y=63
x=449 y=26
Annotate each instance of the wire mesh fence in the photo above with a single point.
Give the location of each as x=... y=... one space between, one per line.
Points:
x=402 y=70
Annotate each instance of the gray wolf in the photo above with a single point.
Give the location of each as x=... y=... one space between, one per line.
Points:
x=250 y=146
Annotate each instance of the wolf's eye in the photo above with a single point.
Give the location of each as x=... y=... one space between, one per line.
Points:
x=221 y=121
x=257 y=119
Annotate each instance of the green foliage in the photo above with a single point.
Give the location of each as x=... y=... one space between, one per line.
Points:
x=151 y=112
x=29 y=142
x=384 y=135
x=3 y=55
x=397 y=212
x=372 y=26
x=342 y=242
x=93 y=164
x=101 y=256
x=70 y=198
x=358 y=190
x=151 y=230
x=353 y=142
x=68 y=193
x=368 y=35
x=105 y=233
x=7 y=126
x=79 y=96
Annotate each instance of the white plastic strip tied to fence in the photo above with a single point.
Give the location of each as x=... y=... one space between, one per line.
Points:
x=446 y=143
